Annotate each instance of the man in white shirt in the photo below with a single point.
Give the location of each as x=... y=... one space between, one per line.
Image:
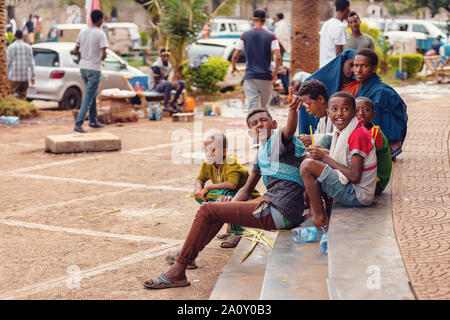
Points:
x=91 y=47
x=333 y=35
x=283 y=34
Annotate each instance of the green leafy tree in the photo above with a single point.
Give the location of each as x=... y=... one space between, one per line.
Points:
x=408 y=6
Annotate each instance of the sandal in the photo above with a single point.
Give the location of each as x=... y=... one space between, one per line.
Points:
x=231 y=242
x=162 y=282
x=171 y=259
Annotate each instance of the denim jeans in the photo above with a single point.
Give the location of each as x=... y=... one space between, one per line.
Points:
x=91 y=79
x=166 y=87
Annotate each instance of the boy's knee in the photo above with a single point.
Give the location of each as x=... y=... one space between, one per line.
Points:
x=305 y=166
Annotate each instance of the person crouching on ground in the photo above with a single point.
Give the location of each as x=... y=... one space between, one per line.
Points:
x=227 y=177
x=159 y=81
x=348 y=173
x=365 y=112
x=281 y=207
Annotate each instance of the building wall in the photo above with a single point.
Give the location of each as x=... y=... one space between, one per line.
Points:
x=51 y=12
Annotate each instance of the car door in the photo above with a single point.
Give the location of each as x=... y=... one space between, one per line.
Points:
x=112 y=73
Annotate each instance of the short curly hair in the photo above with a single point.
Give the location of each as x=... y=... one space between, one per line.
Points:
x=314 y=88
x=346 y=95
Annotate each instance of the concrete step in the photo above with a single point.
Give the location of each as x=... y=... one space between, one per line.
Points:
x=83 y=142
x=243 y=280
x=295 y=271
x=364 y=259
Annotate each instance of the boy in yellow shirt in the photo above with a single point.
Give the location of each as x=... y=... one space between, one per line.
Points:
x=227 y=177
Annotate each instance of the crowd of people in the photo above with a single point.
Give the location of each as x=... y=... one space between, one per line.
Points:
x=344 y=129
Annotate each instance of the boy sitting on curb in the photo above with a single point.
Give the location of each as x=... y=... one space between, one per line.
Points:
x=281 y=207
x=227 y=177
x=314 y=96
x=365 y=112
x=348 y=173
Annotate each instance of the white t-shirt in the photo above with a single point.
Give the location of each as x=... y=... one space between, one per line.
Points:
x=333 y=33
x=91 y=42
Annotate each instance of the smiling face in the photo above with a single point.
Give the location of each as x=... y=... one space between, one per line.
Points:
x=316 y=107
x=260 y=126
x=363 y=69
x=341 y=112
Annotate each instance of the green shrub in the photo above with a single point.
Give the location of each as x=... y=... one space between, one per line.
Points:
x=9 y=38
x=11 y=106
x=144 y=38
x=371 y=31
x=207 y=75
x=411 y=63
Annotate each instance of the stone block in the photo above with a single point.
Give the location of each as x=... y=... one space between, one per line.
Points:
x=83 y=142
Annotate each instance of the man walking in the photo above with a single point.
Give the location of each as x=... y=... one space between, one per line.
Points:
x=91 y=47
x=333 y=35
x=259 y=45
x=358 y=40
x=20 y=60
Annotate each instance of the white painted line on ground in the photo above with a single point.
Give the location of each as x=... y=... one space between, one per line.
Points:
x=85 y=232
x=97 y=182
x=63 y=203
x=131 y=259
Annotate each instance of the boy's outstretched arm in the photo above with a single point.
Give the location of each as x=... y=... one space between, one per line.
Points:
x=291 y=126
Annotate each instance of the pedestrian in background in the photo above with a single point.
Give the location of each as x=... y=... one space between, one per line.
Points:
x=283 y=34
x=91 y=46
x=333 y=35
x=20 y=61
x=358 y=40
x=259 y=45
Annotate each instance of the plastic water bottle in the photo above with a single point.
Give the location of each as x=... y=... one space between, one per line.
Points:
x=304 y=234
x=158 y=112
x=323 y=245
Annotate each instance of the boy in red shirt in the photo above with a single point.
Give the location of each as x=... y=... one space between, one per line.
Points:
x=348 y=173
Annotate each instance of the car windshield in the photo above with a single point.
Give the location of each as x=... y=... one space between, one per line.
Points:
x=198 y=49
x=45 y=58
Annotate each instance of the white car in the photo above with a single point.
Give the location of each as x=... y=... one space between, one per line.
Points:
x=58 y=76
x=223 y=48
x=225 y=28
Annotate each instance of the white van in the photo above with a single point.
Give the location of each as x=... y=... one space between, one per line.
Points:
x=226 y=28
x=121 y=35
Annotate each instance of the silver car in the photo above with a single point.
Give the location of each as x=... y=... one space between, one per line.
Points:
x=58 y=76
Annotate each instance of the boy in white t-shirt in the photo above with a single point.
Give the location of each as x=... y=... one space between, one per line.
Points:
x=91 y=47
x=333 y=35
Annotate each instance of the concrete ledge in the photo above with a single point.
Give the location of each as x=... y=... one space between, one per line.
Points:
x=243 y=280
x=86 y=142
x=364 y=260
x=295 y=271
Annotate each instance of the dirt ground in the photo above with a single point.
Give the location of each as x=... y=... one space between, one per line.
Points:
x=96 y=225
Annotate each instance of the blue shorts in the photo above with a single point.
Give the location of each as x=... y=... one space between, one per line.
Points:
x=342 y=193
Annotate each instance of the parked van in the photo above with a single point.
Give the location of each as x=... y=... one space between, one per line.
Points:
x=225 y=28
x=121 y=35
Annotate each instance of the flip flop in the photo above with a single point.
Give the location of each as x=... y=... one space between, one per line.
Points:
x=171 y=258
x=162 y=282
x=231 y=242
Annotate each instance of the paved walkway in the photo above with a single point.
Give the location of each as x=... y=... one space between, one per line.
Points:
x=420 y=197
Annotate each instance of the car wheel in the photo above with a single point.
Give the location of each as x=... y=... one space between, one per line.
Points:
x=71 y=99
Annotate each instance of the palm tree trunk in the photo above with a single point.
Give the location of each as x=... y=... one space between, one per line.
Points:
x=4 y=83
x=305 y=35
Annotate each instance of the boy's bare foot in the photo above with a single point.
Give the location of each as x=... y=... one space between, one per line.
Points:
x=320 y=221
